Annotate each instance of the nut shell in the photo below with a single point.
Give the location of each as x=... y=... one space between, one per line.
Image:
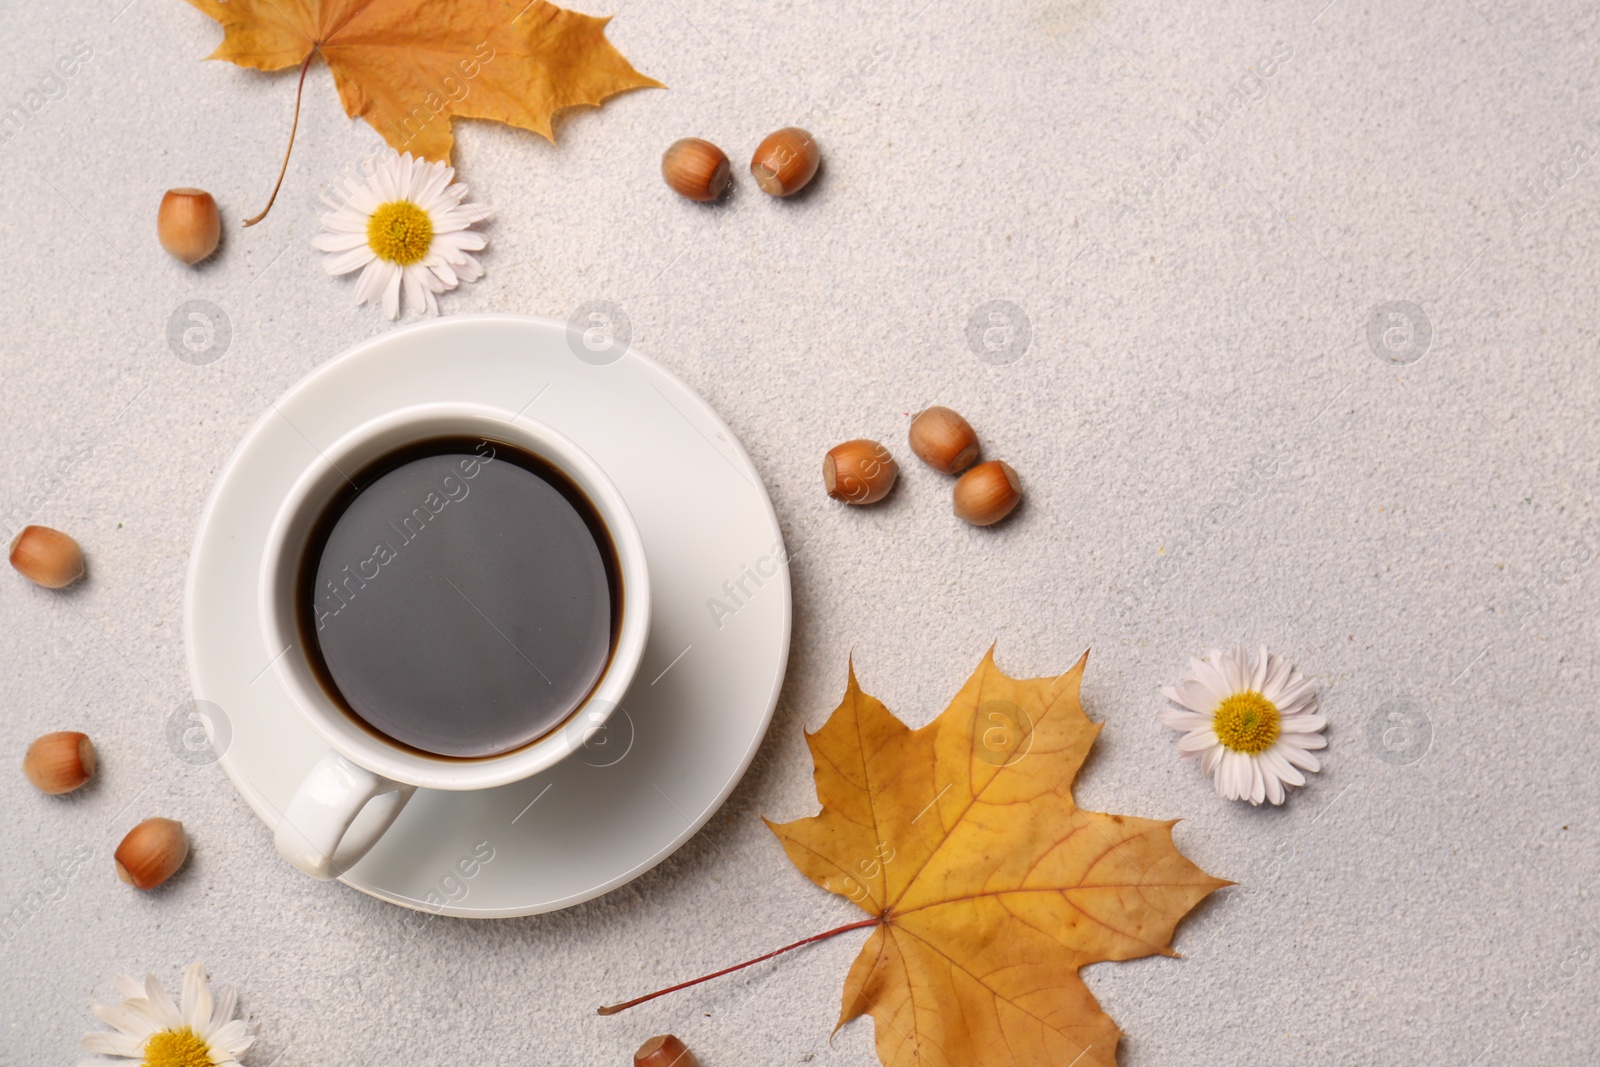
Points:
x=59 y=762
x=46 y=557
x=188 y=224
x=987 y=493
x=943 y=440
x=152 y=852
x=859 y=472
x=696 y=169
x=664 y=1050
x=785 y=161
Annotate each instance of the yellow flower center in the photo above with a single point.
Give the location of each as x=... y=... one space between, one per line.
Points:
x=176 y=1048
x=1246 y=722
x=400 y=232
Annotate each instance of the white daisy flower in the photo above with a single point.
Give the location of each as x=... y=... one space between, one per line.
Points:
x=1252 y=725
x=406 y=225
x=154 y=1030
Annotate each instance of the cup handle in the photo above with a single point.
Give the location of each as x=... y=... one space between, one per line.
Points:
x=316 y=824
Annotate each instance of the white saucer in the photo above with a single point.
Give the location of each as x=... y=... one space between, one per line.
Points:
x=704 y=694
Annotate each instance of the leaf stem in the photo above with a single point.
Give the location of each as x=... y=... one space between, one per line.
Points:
x=298 y=93
x=612 y=1009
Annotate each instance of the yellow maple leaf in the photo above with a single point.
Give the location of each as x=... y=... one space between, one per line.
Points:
x=991 y=886
x=408 y=67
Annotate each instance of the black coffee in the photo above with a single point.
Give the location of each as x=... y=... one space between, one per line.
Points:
x=461 y=597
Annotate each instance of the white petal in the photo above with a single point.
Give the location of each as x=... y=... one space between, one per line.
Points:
x=426 y=278
x=1258 y=782
x=125 y=1021
x=165 y=1009
x=1228 y=775
x=383 y=181
x=196 y=999
x=1198 y=741
x=442 y=270
x=1258 y=675
x=1209 y=759
x=429 y=193
x=468 y=240
x=345 y=262
x=413 y=288
x=467 y=268
x=1273 y=760
x=1300 y=758
x=224 y=1009
x=1208 y=673
x=364 y=199
x=1239 y=778
x=338 y=242
x=459 y=218
x=415 y=179
x=136 y=1015
x=1304 y=703
x=1182 y=720
x=1236 y=668
x=1303 y=740
x=370 y=285
x=1301 y=724
x=129 y=986
x=391 y=292
x=232 y=1038
x=1195 y=696
x=1293 y=691
x=346 y=220
x=1277 y=675
x=1275 y=791
x=109 y=1044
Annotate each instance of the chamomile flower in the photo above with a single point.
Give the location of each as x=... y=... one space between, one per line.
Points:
x=405 y=226
x=152 y=1029
x=1252 y=724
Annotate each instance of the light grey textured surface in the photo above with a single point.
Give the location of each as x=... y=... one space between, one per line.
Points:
x=1211 y=448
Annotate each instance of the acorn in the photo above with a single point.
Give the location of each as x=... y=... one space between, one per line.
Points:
x=152 y=852
x=987 y=493
x=664 y=1051
x=696 y=169
x=46 y=557
x=60 y=762
x=859 y=472
x=785 y=161
x=188 y=224
x=943 y=440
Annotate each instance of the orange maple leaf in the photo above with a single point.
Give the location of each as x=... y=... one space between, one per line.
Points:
x=991 y=887
x=410 y=66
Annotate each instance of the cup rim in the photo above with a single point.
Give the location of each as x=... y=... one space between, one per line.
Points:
x=304 y=501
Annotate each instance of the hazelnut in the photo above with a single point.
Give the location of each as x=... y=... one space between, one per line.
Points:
x=152 y=852
x=987 y=493
x=664 y=1051
x=696 y=169
x=188 y=224
x=59 y=762
x=45 y=556
x=785 y=161
x=859 y=472
x=943 y=440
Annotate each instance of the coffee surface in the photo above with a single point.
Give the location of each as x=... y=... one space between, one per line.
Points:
x=461 y=598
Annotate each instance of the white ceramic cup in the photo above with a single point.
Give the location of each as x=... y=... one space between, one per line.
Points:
x=363 y=773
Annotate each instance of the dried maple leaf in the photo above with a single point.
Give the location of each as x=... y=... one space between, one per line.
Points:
x=410 y=66
x=990 y=887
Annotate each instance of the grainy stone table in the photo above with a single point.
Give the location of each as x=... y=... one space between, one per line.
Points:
x=1283 y=312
